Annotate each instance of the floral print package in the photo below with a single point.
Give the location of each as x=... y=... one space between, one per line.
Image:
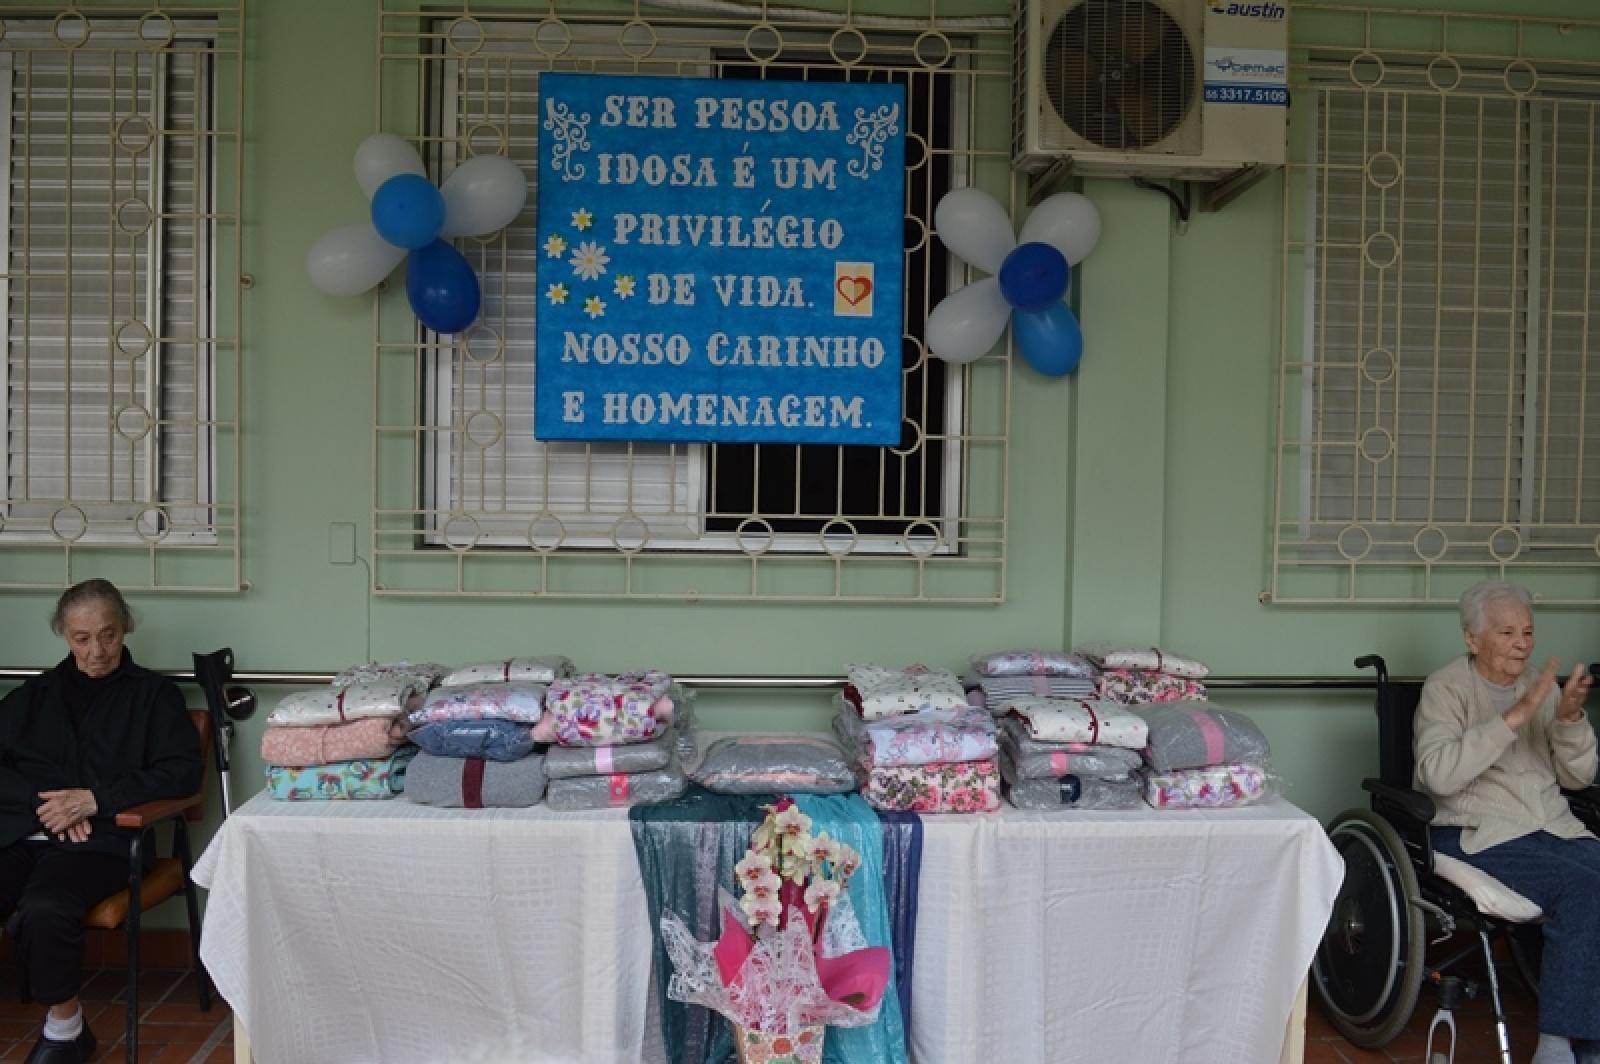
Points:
x=373 y=737
x=347 y=780
x=336 y=705
x=1216 y=787
x=521 y=702
x=1154 y=659
x=952 y=787
x=917 y=738
x=512 y=670
x=1059 y=720
x=1133 y=687
x=595 y=710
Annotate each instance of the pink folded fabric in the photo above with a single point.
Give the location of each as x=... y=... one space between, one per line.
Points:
x=323 y=744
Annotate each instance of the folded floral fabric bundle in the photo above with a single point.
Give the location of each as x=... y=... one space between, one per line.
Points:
x=1082 y=720
x=776 y=764
x=1074 y=792
x=1216 y=787
x=1035 y=663
x=542 y=670
x=877 y=692
x=1153 y=659
x=916 y=738
x=337 y=705
x=521 y=702
x=496 y=740
x=595 y=710
x=992 y=691
x=475 y=782
x=953 y=787
x=343 y=780
x=619 y=790
x=1030 y=759
x=1197 y=734
x=1133 y=687
x=425 y=676
x=565 y=762
x=323 y=744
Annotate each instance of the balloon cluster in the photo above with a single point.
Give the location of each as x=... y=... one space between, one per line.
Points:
x=410 y=215
x=1030 y=278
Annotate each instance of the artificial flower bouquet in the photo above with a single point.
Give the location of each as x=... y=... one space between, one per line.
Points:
x=791 y=958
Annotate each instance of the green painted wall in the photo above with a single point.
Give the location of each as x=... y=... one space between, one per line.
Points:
x=1139 y=502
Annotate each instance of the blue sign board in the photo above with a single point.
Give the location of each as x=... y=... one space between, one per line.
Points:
x=719 y=260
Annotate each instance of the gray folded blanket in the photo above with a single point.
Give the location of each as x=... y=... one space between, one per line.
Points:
x=1071 y=792
x=474 y=783
x=564 y=762
x=617 y=791
x=1197 y=734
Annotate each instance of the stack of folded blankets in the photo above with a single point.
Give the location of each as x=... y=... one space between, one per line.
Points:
x=922 y=746
x=1058 y=753
x=476 y=734
x=1040 y=673
x=346 y=740
x=1200 y=756
x=617 y=740
x=1137 y=677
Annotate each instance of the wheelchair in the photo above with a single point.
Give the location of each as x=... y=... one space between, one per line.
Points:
x=1399 y=898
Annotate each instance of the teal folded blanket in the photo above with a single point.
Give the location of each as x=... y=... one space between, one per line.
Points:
x=343 y=780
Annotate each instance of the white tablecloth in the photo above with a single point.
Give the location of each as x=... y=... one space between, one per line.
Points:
x=384 y=931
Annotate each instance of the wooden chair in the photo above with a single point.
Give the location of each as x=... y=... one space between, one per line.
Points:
x=166 y=877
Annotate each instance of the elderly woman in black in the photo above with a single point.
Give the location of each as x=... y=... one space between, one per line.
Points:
x=91 y=737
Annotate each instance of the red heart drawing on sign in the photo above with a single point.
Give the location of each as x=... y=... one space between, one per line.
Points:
x=854 y=289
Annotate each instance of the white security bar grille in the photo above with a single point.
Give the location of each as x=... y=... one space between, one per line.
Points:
x=120 y=283
x=1439 y=401
x=468 y=503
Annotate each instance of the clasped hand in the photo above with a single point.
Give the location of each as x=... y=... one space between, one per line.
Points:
x=1568 y=711
x=65 y=814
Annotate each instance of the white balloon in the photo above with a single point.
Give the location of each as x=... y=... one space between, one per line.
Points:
x=974 y=226
x=968 y=322
x=351 y=259
x=1067 y=221
x=484 y=194
x=382 y=156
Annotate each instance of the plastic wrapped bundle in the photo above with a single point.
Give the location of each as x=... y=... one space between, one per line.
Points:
x=541 y=670
x=1034 y=663
x=1197 y=734
x=344 y=781
x=1216 y=787
x=1071 y=792
x=474 y=783
x=877 y=692
x=1030 y=759
x=521 y=702
x=324 y=744
x=992 y=692
x=595 y=710
x=424 y=675
x=616 y=791
x=566 y=762
x=1153 y=659
x=496 y=740
x=958 y=787
x=1137 y=687
x=337 y=705
x=916 y=738
x=1054 y=720
x=776 y=764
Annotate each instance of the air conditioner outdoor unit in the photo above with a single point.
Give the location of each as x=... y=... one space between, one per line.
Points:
x=1185 y=89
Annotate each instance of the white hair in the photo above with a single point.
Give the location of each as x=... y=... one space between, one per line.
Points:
x=1476 y=600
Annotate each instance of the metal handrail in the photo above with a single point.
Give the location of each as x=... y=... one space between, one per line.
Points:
x=730 y=681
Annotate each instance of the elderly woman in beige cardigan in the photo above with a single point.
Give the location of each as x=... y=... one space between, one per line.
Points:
x=1495 y=744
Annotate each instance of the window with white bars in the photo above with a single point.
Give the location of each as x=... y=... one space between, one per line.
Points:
x=481 y=507
x=1440 y=394
x=118 y=437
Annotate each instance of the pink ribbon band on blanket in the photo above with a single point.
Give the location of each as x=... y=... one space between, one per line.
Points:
x=618 y=786
x=1041 y=685
x=1210 y=732
x=1060 y=764
x=602 y=760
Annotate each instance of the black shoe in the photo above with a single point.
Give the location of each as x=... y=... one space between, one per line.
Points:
x=80 y=1049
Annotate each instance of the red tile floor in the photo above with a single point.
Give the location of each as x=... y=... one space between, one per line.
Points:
x=1475 y=1037
x=171 y=1027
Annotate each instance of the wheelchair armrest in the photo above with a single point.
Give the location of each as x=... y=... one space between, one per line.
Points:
x=143 y=816
x=1414 y=805
x=1585 y=805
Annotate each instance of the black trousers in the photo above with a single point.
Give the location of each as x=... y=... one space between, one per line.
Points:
x=45 y=892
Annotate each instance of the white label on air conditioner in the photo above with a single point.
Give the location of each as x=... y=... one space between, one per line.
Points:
x=1247 y=75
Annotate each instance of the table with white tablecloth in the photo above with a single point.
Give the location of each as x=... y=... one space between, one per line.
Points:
x=386 y=931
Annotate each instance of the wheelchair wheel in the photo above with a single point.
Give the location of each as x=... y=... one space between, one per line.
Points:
x=1368 y=968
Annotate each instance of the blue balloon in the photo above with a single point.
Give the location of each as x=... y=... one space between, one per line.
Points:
x=407 y=211
x=1049 y=338
x=442 y=288
x=1034 y=275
